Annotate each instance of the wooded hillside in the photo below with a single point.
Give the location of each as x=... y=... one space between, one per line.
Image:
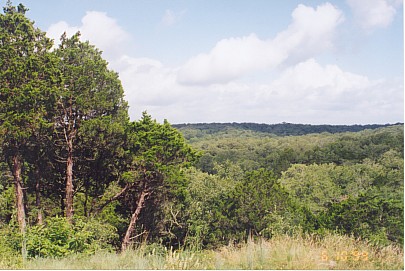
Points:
x=280 y=129
x=77 y=176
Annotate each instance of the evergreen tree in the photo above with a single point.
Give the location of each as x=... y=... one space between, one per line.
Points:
x=91 y=95
x=158 y=153
x=27 y=78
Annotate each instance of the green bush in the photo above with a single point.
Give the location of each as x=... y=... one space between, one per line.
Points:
x=369 y=216
x=10 y=247
x=58 y=238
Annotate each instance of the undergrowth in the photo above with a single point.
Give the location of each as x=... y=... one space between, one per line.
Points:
x=281 y=252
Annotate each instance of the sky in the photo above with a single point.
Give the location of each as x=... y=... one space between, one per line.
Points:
x=263 y=61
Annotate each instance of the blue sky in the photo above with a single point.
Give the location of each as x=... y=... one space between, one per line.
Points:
x=266 y=61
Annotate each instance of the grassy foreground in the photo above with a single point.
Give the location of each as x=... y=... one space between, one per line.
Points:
x=282 y=252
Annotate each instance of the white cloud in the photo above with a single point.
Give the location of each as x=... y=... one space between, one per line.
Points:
x=310 y=33
x=171 y=17
x=56 y=30
x=372 y=14
x=100 y=29
x=204 y=89
x=310 y=78
x=229 y=59
x=307 y=92
x=103 y=31
x=146 y=81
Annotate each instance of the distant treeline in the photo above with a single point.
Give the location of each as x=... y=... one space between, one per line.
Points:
x=280 y=129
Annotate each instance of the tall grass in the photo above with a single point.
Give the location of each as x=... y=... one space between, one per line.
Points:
x=308 y=252
x=281 y=252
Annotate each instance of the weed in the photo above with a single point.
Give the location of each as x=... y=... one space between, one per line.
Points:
x=281 y=252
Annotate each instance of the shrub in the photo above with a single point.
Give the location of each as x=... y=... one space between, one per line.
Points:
x=369 y=216
x=58 y=238
x=10 y=247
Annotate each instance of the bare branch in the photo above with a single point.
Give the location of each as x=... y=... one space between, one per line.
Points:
x=145 y=231
x=115 y=197
x=175 y=217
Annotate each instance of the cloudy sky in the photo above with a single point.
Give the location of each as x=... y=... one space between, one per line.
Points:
x=266 y=61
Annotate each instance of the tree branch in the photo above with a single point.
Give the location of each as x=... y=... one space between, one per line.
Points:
x=145 y=231
x=115 y=197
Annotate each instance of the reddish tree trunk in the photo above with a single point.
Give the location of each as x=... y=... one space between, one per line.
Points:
x=38 y=198
x=19 y=192
x=127 y=239
x=69 y=183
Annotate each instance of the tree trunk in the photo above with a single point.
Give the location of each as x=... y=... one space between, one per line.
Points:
x=134 y=218
x=38 y=197
x=69 y=182
x=86 y=199
x=62 y=204
x=19 y=192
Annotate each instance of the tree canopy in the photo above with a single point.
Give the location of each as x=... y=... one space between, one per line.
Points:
x=77 y=175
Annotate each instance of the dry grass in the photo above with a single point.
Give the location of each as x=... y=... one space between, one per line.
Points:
x=285 y=252
x=282 y=252
x=131 y=259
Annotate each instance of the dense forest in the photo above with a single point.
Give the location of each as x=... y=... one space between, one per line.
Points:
x=77 y=176
x=280 y=129
x=350 y=182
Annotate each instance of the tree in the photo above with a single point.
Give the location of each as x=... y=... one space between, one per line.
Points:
x=259 y=201
x=157 y=154
x=370 y=215
x=102 y=146
x=207 y=213
x=90 y=92
x=27 y=80
x=312 y=185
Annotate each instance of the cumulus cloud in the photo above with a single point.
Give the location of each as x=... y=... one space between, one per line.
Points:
x=229 y=59
x=372 y=14
x=204 y=89
x=97 y=27
x=146 y=81
x=310 y=33
x=309 y=77
x=56 y=30
x=307 y=92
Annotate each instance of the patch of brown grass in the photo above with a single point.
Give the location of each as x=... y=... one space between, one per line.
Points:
x=281 y=252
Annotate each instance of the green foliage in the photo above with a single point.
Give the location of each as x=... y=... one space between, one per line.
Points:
x=156 y=155
x=278 y=153
x=316 y=185
x=158 y=146
x=27 y=76
x=205 y=213
x=232 y=205
x=311 y=185
x=198 y=130
x=350 y=164
x=58 y=238
x=89 y=119
x=259 y=200
x=250 y=179
x=10 y=256
x=368 y=216
x=10 y=237
x=6 y=203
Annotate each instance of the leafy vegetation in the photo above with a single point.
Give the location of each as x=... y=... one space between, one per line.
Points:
x=79 y=180
x=198 y=130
